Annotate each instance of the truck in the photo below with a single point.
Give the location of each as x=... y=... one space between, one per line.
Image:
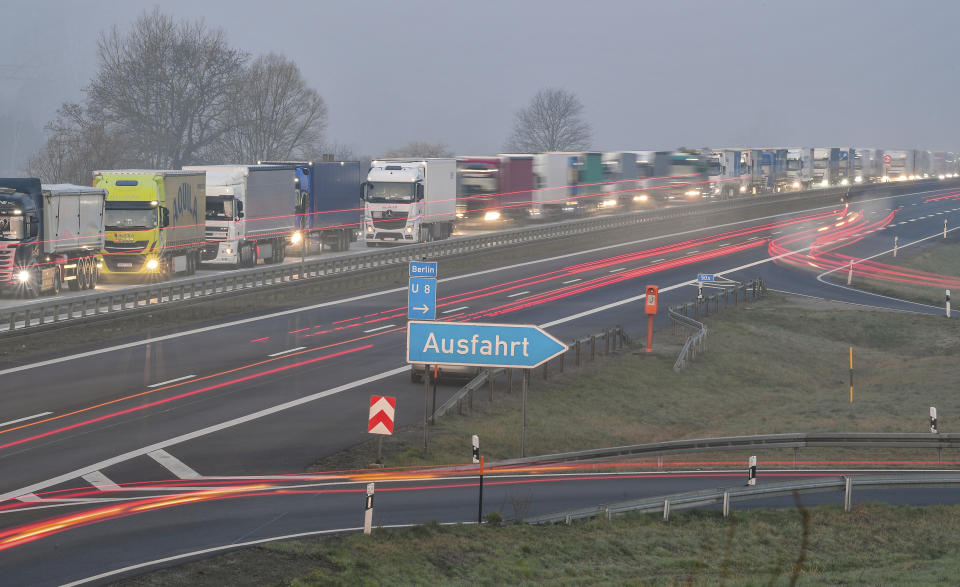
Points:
x=409 y=200
x=678 y=177
x=799 y=168
x=728 y=173
x=621 y=181
x=153 y=222
x=50 y=234
x=250 y=213
x=329 y=203
x=492 y=188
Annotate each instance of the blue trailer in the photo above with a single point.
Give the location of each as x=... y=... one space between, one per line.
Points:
x=329 y=205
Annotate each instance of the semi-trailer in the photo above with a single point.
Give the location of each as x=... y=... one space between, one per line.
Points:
x=409 y=200
x=250 y=213
x=153 y=222
x=50 y=234
x=330 y=203
x=491 y=188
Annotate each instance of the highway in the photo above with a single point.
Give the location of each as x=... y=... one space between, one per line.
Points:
x=267 y=395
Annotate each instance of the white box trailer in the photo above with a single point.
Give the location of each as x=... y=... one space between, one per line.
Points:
x=409 y=200
x=50 y=234
x=250 y=213
x=553 y=173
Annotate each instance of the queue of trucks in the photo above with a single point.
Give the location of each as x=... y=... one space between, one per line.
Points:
x=152 y=224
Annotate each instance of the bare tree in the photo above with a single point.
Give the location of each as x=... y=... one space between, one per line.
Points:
x=552 y=122
x=421 y=149
x=275 y=114
x=165 y=87
x=76 y=145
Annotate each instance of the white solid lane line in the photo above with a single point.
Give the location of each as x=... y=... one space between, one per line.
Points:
x=169 y=381
x=572 y=281
x=288 y=351
x=25 y=419
x=100 y=481
x=379 y=328
x=173 y=464
x=452 y=310
x=519 y=293
x=617 y=270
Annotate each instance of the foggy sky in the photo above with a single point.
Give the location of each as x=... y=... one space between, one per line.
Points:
x=651 y=75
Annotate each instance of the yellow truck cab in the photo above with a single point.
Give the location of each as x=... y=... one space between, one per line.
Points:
x=153 y=222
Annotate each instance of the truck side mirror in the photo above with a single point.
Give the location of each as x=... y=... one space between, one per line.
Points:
x=364 y=188
x=164 y=217
x=34 y=226
x=239 y=208
x=419 y=191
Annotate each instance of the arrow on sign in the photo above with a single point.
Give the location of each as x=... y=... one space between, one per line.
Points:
x=382 y=410
x=424 y=308
x=482 y=345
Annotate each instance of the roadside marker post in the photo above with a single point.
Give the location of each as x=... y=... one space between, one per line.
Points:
x=948 y=303
x=851 y=375
x=752 y=471
x=944 y=228
x=368 y=510
x=896 y=241
x=476 y=449
x=850 y=273
x=933 y=420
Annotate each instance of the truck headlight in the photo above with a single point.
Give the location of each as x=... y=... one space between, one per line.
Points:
x=491 y=216
x=409 y=229
x=23 y=276
x=844 y=181
x=609 y=203
x=743 y=189
x=858 y=179
x=152 y=264
x=295 y=237
x=796 y=185
x=640 y=198
x=369 y=228
x=692 y=193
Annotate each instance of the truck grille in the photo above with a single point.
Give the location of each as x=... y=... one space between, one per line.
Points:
x=124 y=263
x=216 y=233
x=6 y=263
x=397 y=220
x=115 y=247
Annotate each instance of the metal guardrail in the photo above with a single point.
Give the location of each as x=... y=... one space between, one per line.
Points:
x=725 y=496
x=680 y=317
x=96 y=304
x=882 y=440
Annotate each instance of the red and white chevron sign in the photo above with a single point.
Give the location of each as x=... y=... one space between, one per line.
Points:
x=381 y=414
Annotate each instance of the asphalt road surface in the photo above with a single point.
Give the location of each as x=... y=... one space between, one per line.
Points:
x=269 y=394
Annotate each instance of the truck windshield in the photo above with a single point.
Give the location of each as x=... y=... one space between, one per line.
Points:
x=220 y=209
x=715 y=168
x=129 y=219
x=794 y=164
x=379 y=192
x=11 y=228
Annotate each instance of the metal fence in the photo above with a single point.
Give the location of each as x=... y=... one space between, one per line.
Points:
x=583 y=349
x=682 y=321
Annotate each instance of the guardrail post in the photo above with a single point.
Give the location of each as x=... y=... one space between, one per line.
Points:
x=606 y=341
x=659 y=462
x=593 y=347
x=578 y=354
x=847 y=493
x=563 y=359
x=796 y=453
x=545 y=372
x=726 y=504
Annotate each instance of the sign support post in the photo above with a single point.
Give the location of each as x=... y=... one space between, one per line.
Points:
x=650 y=307
x=525 y=381
x=426 y=395
x=480 y=507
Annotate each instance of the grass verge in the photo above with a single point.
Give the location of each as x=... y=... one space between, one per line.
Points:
x=872 y=545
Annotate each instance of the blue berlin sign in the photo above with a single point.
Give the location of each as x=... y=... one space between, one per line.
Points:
x=481 y=345
x=423 y=268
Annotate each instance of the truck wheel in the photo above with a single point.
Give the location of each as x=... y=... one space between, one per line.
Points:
x=74 y=284
x=94 y=274
x=57 y=284
x=36 y=284
x=344 y=240
x=91 y=271
x=81 y=274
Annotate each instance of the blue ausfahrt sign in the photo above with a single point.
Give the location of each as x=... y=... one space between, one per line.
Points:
x=481 y=345
x=422 y=298
x=705 y=277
